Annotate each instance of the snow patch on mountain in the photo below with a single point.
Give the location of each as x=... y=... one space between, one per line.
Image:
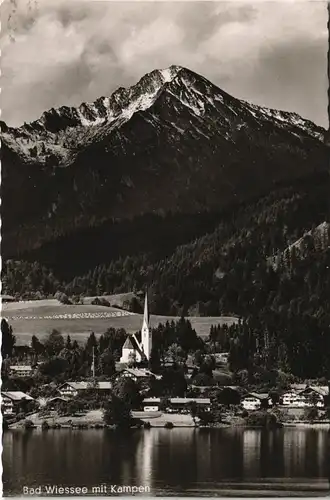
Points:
x=59 y=134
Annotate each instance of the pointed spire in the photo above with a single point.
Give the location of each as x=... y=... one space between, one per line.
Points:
x=146 y=314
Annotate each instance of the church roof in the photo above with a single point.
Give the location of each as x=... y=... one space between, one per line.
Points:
x=129 y=343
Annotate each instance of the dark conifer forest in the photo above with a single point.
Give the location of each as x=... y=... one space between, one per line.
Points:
x=266 y=261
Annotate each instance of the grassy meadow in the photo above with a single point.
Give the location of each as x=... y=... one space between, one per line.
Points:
x=40 y=317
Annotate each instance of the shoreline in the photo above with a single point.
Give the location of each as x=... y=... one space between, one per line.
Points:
x=93 y=419
x=101 y=426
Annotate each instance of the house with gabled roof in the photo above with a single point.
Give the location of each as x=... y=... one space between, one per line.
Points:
x=255 y=400
x=138 y=374
x=72 y=389
x=21 y=371
x=300 y=395
x=11 y=400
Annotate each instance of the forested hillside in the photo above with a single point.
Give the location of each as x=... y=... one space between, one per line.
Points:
x=267 y=261
x=238 y=267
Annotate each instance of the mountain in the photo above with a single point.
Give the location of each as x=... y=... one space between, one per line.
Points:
x=174 y=142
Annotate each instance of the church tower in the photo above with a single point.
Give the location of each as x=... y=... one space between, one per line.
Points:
x=146 y=336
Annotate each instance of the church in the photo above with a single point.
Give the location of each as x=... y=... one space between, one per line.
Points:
x=134 y=351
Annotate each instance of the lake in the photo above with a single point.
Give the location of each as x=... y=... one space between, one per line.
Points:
x=169 y=462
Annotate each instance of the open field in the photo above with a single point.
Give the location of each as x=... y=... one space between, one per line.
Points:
x=40 y=317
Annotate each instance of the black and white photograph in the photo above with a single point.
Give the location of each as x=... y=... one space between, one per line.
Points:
x=165 y=248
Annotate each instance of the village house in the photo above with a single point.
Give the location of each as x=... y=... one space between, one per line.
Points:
x=23 y=352
x=181 y=404
x=21 y=371
x=292 y=399
x=254 y=401
x=221 y=357
x=11 y=401
x=72 y=389
x=53 y=402
x=176 y=404
x=304 y=395
x=138 y=374
x=151 y=404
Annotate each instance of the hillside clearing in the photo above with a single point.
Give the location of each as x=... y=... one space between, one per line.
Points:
x=41 y=317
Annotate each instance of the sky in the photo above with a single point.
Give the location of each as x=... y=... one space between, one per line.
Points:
x=64 y=52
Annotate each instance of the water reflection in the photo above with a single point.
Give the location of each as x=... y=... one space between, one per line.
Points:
x=174 y=460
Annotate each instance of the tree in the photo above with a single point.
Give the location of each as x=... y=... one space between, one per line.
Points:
x=275 y=397
x=208 y=365
x=164 y=404
x=205 y=417
x=177 y=354
x=173 y=383
x=36 y=346
x=311 y=413
x=8 y=339
x=54 y=367
x=229 y=397
x=198 y=357
x=193 y=410
x=126 y=390
x=118 y=413
x=54 y=343
x=91 y=342
x=68 y=343
x=154 y=361
x=202 y=379
x=63 y=298
x=107 y=363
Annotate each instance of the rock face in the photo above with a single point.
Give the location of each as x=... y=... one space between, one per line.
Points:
x=173 y=142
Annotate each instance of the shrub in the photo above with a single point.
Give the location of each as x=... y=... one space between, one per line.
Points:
x=147 y=425
x=63 y=298
x=245 y=413
x=100 y=302
x=262 y=419
x=45 y=425
x=311 y=413
x=202 y=379
x=169 y=425
x=28 y=424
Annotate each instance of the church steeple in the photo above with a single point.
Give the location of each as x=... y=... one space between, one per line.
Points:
x=145 y=313
x=146 y=338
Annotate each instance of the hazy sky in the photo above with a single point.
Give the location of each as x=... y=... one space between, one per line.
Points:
x=64 y=52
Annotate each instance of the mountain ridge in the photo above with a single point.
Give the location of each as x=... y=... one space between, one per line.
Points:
x=119 y=105
x=181 y=144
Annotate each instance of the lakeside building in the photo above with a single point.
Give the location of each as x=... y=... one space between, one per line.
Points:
x=254 y=401
x=53 y=402
x=176 y=404
x=11 y=401
x=301 y=395
x=73 y=389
